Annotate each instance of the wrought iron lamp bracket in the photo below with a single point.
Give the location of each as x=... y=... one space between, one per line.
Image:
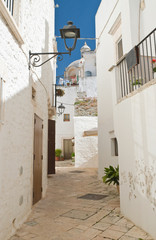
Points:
x=35 y=58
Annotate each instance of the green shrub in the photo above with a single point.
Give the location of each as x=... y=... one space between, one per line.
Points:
x=73 y=154
x=58 y=152
x=111 y=175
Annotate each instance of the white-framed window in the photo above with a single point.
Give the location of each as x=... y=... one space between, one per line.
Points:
x=1 y=100
x=66 y=117
x=119 y=48
x=11 y=11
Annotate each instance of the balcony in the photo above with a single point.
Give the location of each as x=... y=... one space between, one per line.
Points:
x=138 y=67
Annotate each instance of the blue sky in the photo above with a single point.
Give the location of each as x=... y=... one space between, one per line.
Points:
x=82 y=13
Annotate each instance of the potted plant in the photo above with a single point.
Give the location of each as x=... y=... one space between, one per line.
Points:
x=57 y=154
x=136 y=83
x=62 y=158
x=111 y=176
x=60 y=92
x=73 y=157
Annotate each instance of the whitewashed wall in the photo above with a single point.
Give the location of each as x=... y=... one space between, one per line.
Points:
x=133 y=117
x=89 y=86
x=90 y=62
x=86 y=148
x=36 y=26
x=105 y=57
x=135 y=120
x=65 y=130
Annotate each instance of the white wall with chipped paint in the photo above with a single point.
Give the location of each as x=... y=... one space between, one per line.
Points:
x=36 y=25
x=135 y=120
x=86 y=148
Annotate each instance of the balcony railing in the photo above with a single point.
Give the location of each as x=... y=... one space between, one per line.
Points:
x=136 y=68
x=10 y=5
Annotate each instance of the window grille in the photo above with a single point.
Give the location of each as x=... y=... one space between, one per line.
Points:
x=10 y=5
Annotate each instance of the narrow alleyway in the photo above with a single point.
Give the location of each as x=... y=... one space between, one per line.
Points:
x=71 y=212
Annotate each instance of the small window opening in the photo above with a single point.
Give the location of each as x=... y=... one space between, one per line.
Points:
x=66 y=118
x=33 y=93
x=88 y=73
x=114 y=147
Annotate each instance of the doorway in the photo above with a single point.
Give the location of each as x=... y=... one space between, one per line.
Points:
x=51 y=147
x=37 y=162
x=68 y=148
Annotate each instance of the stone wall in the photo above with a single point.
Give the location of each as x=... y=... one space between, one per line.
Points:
x=85 y=106
x=36 y=26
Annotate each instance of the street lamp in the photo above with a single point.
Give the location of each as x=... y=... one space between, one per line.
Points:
x=67 y=32
x=70 y=31
x=61 y=109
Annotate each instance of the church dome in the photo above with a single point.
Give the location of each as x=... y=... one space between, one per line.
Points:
x=85 y=48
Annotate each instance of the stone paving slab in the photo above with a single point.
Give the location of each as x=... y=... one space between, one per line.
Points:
x=62 y=215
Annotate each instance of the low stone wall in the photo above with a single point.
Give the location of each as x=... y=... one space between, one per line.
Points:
x=85 y=107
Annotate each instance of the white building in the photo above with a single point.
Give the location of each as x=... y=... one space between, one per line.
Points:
x=65 y=122
x=80 y=81
x=25 y=107
x=126 y=114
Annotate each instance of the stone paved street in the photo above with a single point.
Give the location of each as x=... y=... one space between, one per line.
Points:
x=70 y=212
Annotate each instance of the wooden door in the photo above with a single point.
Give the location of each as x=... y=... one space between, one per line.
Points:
x=37 y=166
x=68 y=148
x=51 y=147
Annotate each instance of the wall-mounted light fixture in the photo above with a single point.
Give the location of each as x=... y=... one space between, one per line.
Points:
x=67 y=32
x=61 y=109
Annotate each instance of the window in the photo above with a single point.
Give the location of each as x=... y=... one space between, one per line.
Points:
x=88 y=74
x=11 y=11
x=66 y=118
x=119 y=49
x=114 y=147
x=10 y=5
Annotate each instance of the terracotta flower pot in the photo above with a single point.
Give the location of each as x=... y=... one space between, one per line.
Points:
x=57 y=158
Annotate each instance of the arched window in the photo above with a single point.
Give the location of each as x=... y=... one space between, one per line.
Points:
x=88 y=73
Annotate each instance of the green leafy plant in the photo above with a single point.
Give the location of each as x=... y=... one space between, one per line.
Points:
x=60 y=92
x=73 y=154
x=137 y=82
x=111 y=175
x=58 y=152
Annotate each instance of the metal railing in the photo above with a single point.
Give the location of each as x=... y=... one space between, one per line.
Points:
x=10 y=5
x=130 y=79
